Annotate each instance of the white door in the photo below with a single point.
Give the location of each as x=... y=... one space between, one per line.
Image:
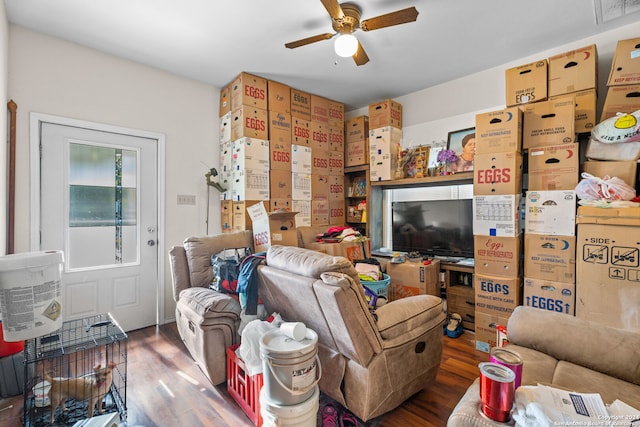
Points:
x=98 y=204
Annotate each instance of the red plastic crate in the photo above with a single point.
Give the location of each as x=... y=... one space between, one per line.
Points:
x=244 y=389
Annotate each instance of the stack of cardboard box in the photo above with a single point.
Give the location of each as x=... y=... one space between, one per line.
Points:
x=282 y=146
x=623 y=96
x=356 y=141
x=497 y=187
x=385 y=139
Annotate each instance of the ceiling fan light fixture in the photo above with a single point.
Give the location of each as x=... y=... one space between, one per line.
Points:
x=346 y=45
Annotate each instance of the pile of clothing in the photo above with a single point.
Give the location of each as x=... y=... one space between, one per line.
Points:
x=341 y=233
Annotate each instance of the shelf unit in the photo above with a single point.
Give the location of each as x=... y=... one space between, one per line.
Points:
x=357 y=189
x=460 y=293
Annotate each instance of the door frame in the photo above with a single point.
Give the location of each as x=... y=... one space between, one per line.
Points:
x=35 y=121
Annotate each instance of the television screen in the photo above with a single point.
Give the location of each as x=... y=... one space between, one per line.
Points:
x=434 y=227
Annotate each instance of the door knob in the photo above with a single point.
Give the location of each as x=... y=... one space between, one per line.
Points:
x=151 y=242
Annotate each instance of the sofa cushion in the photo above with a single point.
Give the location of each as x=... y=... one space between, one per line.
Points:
x=209 y=304
x=411 y=314
x=200 y=249
x=308 y=263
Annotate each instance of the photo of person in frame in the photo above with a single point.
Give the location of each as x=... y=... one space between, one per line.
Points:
x=463 y=143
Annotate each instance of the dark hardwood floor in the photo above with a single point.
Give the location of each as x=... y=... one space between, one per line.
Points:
x=166 y=388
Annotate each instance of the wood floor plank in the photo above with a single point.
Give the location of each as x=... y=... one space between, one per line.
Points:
x=165 y=388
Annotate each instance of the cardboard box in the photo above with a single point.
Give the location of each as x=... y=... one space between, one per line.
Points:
x=549 y=295
x=336 y=138
x=225 y=128
x=249 y=90
x=319 y=187
x=499 y=131
x=487 y=330
x=300 y=132
x=336 y=187
x=319 y=109
x=554 y=168
x=384 y=145
x=274 y=228
x=280 y=184
x=498 y=173
x=280 y=205
x=349 y=250
x=249 y=122
x=225 y=100
x=320 y=211
x=497 y=295
x=280 y=157
x=250 y=184
x=301 y=160
x=551 y=212
x=585 y=118
x=357 y=153
x=280 y=125
x=241 y=219
x=303 y=207
x=226 y=216
x=319 y=138
x=336 y=212
x=625 y=68
x=336 y=114
x=279 y=97
x=300 y=104
x=319 y=162
x=301 y=187
x=549 y=122
x=621 y=99
x=250 y=153
x=414 y=278
x=548 y=257
x=336 y=163
x=526 y=83
x=496 y=256
x=356 y=129
x=573 y=71
x=607 y=273
x=626 y=171
x=385 y=113
x=497 y=215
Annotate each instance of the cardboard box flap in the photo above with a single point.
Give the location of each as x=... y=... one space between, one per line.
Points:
x=608 y=216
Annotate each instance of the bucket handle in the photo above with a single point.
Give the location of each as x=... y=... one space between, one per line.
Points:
x=296 y=392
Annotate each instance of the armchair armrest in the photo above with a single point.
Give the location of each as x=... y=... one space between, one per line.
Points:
x=409 y=315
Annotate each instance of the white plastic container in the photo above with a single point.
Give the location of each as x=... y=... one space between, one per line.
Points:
x=30 y=294
x=291 y=368
x=301 y=415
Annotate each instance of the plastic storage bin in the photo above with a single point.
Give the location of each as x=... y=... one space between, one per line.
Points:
x=244 y=389
x=380 y=287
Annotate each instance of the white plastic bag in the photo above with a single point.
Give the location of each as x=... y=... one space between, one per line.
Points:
x=249 y=349
x=606 y=188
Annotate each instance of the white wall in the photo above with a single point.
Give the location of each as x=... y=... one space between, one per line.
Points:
x=51 y=76
x=4 y=49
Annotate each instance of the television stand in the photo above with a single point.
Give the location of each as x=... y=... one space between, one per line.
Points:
x=459 y=291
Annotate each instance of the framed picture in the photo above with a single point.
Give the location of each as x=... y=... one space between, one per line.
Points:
x=465 y=153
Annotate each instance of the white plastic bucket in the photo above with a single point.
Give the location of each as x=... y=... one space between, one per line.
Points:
x=41 y=394
x=291 y=368
x=301 y=415
x=30 y=294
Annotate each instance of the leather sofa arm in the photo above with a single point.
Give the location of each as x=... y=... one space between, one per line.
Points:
x=409 y=315
x=587 y=343
x=179 y=271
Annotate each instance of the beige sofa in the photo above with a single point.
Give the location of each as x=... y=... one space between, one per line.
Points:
x=364 y=358
x=567 y=352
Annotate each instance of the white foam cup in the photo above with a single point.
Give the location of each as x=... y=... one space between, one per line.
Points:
x=295 y=330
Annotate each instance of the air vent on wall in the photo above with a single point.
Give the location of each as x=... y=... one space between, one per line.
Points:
x=608 y=10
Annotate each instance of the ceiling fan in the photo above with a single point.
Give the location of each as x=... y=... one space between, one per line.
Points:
x=345 y=20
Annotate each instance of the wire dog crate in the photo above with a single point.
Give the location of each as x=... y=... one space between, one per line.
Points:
x=84 y=362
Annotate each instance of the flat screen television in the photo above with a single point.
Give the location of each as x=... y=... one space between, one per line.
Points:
x=434 y=227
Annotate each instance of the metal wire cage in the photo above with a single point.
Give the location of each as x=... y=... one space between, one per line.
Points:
x=69 y=361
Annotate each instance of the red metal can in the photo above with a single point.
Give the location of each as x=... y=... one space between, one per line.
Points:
x=511 y=360
x=496 y=391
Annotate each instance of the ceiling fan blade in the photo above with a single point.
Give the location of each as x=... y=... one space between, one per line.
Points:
x=360 y=57
x=403 y=16
x=308 y=40
x=334 y=9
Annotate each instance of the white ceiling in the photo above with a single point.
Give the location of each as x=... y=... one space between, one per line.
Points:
x=213 y=40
